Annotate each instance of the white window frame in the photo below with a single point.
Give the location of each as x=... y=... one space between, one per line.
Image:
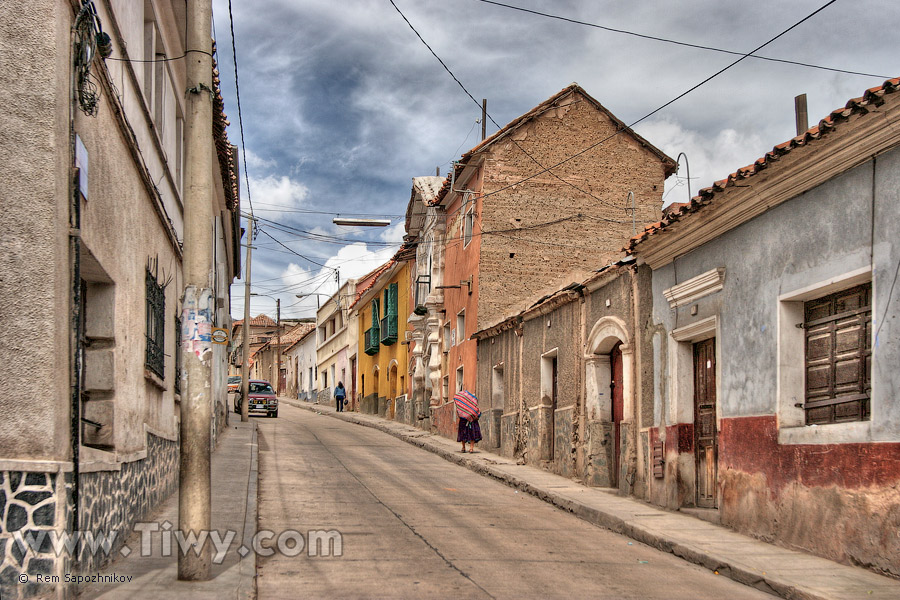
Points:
x=791 y=375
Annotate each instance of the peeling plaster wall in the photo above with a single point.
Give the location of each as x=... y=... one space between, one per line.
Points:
x=829 y=489
x=570 y=441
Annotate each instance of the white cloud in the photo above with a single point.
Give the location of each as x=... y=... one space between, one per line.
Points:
x=254 y=161
x=278 y=192
x=708 y=159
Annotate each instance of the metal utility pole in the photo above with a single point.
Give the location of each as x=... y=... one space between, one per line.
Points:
x=278 y=320
x=199 y=272
x=245 y=341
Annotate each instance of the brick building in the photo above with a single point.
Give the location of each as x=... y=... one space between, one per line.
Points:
x=543 y=197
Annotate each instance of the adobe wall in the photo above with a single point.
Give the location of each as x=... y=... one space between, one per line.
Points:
x=521 y=259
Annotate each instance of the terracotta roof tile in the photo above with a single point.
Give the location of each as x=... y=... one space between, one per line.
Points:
x=862 y=105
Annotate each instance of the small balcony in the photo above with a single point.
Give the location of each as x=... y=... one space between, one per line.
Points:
x=389 y=330
x=371 y=341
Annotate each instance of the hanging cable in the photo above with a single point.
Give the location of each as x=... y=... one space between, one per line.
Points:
x=676 y=42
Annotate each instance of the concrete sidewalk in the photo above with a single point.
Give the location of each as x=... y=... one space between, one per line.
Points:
x=770 y=568
x=235 y=474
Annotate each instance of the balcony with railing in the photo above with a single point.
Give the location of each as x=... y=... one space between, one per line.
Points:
x=371 y=341
x=389 y=330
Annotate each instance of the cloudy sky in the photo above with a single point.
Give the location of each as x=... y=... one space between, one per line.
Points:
x=343 y=104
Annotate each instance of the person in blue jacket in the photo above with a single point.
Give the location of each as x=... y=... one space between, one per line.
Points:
x=339 y=395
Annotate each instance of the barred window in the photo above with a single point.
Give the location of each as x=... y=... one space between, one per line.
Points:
x=838 y=356
x=178 y=358
x=156 y=326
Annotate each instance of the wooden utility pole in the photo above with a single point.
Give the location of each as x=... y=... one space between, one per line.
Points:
x=199 y=273
x=483 y=118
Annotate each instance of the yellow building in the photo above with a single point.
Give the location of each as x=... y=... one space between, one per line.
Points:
x=382 y=307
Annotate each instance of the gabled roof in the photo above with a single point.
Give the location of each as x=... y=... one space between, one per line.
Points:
x=552 y=102
x=300 y=339
x=296 y=333
x=806 y=142
x=427 y=189
x=260 y=320
x=367 y=282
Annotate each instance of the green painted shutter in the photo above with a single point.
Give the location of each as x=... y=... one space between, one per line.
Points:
x=392 y=299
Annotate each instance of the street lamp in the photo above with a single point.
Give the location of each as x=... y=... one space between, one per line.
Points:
x=361 y=222
x=278 y=317
x=688 y=167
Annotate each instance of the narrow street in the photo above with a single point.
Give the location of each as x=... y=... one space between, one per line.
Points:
x=413 y=525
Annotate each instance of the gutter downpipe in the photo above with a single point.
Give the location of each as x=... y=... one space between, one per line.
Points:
x=76 y=351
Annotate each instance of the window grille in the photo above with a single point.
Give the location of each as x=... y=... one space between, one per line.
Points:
x=178 y=356
x=156 y=326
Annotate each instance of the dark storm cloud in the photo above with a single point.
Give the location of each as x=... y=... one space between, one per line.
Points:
x=343 y=105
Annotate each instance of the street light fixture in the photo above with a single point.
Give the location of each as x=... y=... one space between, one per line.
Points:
x=361 y=222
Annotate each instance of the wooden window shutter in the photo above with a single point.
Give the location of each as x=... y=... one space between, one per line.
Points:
x=392 y=300
x=838 y=356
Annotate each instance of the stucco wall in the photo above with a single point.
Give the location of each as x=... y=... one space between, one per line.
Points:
x=831 y=489
x=34 y=266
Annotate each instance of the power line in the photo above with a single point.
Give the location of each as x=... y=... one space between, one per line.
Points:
x=679 y=43
x=320 y=237
x=666 y=105
x=497 y=125
x=237 y=93
x=273 y=238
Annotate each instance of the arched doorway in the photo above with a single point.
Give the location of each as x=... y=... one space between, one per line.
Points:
x=392 y=387
x=617 y=408
x=609 y=405
x=376 y=392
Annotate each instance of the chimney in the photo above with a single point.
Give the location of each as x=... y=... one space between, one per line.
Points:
x=800 y=114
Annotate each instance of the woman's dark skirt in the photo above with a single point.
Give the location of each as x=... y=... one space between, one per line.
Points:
x=468 y=431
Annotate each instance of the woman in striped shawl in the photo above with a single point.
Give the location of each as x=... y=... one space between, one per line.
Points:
x=467 y=410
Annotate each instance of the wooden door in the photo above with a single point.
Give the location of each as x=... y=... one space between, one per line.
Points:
x=353 y=383
x=705 y=422
x=554 y=402
x=618 y=409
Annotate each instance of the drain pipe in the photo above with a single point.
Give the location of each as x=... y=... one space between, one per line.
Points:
x=76 y=350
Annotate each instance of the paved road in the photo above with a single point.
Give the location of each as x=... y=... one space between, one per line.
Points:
x=415 y=526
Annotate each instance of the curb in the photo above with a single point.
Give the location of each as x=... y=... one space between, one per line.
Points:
x=719 y=564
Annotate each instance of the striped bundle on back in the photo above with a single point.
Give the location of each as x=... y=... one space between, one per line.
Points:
x=466 y=405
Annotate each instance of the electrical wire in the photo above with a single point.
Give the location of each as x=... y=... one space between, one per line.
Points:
x=320 y=237
x=273 y=238
x=664 y=106
x=676 y=42
x=497 y=125
x=237 y=93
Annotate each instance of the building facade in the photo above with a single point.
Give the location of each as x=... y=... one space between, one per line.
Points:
x=425 y=224
x=336 y=349
x=566 y=385
x=515 y=229
x=775 y=316
x=381 y=308
x=302 y=372
x=90 y=272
